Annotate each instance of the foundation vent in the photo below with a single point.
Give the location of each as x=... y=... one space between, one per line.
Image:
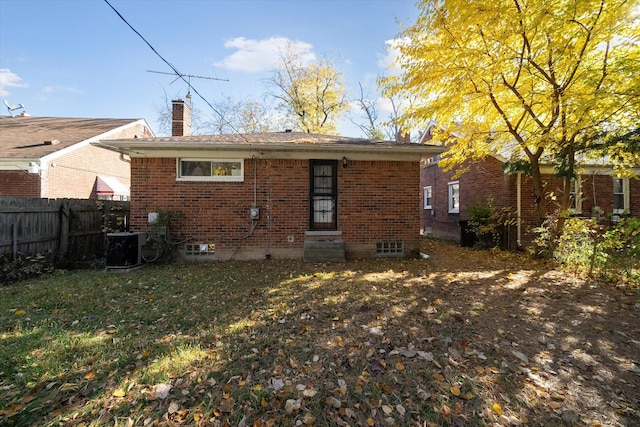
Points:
x=395 y=248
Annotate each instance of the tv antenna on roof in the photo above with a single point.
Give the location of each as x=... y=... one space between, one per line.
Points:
x=188 y=76
x=11 y=108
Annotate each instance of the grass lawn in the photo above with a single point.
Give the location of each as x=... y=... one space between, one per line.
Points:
x=462 y=338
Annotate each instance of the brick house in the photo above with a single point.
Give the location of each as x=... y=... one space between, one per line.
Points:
x=281 y=194
x=52 y=157
x=446 y=200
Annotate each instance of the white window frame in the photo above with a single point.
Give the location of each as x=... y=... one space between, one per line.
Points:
x=452 y=205
x=575 y=188
x=427 y=193
x=213 y=178
x=625 y=195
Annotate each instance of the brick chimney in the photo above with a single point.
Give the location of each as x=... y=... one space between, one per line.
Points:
x=180 y=118
x=403 y=137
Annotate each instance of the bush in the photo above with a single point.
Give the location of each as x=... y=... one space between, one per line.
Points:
x=622 y=248
x=23 y=267
x=577 y=247
x=585 y=245
x=488 y=223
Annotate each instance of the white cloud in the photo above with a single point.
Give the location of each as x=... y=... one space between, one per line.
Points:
x=387 y=61
x=48 y=90
x=253 y=56
x=9 y=79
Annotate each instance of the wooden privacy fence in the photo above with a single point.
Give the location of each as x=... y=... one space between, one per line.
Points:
x=65 y=230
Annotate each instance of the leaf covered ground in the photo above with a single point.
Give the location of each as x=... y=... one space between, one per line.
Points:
x=462 y=338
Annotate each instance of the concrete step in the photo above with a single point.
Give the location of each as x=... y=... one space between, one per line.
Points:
x=323 y=251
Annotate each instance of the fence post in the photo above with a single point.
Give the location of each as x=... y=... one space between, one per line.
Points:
x=14 y=240
x=64 y=231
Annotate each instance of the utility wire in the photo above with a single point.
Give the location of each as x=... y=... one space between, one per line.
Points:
x=175 y=70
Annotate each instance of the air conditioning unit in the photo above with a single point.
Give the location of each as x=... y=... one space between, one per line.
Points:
x=124 y=250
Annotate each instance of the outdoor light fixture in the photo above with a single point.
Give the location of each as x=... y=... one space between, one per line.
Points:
x=344 y=162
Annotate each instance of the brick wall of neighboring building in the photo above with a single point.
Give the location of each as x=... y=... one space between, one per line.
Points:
x=19 y=184
x=377 y=202
x=74 y=174
x=486 y=178
x=481 y=181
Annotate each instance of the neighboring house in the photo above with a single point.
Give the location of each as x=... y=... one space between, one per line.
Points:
x=280 y=194
x=446 y=200
x=52 y=157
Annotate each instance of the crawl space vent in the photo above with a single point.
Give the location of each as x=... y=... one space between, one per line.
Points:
x=390 y=248
x=200 y=249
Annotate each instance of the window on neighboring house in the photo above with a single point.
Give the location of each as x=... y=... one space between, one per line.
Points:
x=427 y=197
x=229 y=170
x=454 y=197
x=575 y=195
x=620 y=195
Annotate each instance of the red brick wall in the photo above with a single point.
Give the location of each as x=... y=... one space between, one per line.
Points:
x=483 y=179
x=377 y=201
x=19 y=183
x=74 y=174
x=486 y=178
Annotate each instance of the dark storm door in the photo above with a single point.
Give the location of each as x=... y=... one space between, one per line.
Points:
x=323 y=192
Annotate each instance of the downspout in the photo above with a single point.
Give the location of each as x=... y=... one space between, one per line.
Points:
x=518 y=209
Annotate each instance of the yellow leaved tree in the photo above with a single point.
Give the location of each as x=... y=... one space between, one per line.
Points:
x=541 y=80
x=313 y=93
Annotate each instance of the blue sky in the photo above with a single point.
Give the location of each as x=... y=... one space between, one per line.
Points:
x=77 y=58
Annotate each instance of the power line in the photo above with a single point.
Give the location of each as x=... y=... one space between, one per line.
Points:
x=175 y=70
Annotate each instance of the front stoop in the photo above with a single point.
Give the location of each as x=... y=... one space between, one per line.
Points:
x=323 y=251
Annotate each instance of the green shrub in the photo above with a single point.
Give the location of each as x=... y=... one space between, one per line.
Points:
x=622 y=248
x=577 y=247
x=587 y=246
x=489 y=222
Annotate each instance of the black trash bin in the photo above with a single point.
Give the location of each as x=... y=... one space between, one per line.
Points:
x=467 y=237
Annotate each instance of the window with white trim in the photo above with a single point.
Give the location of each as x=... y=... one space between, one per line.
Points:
x=620 y=195
x=454 y=197
x=575 y=195
x=428 y=194
x=225 y=170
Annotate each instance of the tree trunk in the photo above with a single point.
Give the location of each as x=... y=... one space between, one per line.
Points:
x=539 y=187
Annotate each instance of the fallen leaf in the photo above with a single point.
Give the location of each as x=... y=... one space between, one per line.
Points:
x=20 y=313
x=309 y=392
x=89 y=375
x=400 y=409
x=161 y=391
x=292 y=405
x=308 y=419
x=332 y=401
x=399 y=366
x=446 y=412
x=173 y=408
x=555 y=405
x=497 y=408
x=387 y=409
x=455 y=391
x=370 y=422
x=26 y=399
x=520 y=356
x=119 y=393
